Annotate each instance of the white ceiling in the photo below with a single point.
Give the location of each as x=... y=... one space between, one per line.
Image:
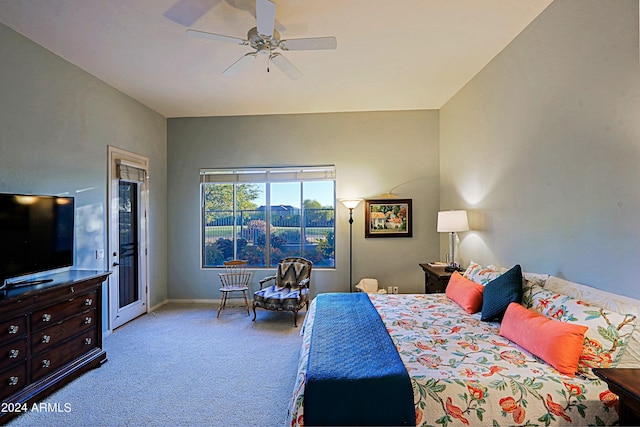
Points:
x=391 y=55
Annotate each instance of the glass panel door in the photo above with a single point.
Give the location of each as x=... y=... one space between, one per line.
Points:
x=128 y=232
x=128 y=206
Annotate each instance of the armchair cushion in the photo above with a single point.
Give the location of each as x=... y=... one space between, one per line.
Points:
x=290 y=274
x=281 y=298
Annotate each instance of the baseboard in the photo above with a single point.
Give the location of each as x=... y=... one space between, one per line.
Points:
x=231 y=302
x=157 y=306
x=194 y=301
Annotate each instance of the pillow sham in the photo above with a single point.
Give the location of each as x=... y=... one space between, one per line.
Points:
x=480 y=274
x=500 y=292
x=541 y=336
x=466 y=293
x=608 y=332
x=528 y=280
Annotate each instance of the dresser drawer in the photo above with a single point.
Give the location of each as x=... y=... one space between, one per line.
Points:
x=55 y=334
x=56 y=357
x=13 y=379
x=57 y=313
x=60 y=293
x=13 y=352
x=11 y=329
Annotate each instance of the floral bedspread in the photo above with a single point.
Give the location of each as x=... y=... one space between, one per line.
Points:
x=464 y=373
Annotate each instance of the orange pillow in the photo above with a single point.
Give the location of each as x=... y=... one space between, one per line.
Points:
x=466 y=293
x=557 y=343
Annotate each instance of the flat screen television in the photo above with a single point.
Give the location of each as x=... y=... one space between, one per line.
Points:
x=36 y=235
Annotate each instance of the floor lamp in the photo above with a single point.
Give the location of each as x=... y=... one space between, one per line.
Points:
x=350 y=204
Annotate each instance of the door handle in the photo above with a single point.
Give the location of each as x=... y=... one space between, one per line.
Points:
x=115 y=264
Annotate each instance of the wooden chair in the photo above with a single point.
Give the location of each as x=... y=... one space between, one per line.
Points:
x=291 y=289
x=234 y=279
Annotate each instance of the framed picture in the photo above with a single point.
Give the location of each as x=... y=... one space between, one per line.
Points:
x=387 y=218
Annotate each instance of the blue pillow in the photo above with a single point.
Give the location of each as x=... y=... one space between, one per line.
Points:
x=500 y=292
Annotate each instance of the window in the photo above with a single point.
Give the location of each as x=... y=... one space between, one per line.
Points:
x=266 y=214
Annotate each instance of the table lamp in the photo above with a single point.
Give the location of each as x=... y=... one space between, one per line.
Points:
x=451 y=222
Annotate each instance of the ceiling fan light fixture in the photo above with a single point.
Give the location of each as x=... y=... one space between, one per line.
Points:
x=264 y=38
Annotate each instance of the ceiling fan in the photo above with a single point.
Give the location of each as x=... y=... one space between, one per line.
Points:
x=265 y=39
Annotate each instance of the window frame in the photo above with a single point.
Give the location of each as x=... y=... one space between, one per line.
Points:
x=267 y=176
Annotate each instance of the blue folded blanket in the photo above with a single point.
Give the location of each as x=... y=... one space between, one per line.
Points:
x=355 y=375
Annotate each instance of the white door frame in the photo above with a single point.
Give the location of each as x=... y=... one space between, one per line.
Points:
x=118 y=156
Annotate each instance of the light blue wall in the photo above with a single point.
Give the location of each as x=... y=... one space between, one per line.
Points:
x=373 y=152
x=543 y=148
x=56 y=122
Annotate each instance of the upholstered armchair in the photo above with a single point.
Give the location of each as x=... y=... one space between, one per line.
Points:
x=290 y=291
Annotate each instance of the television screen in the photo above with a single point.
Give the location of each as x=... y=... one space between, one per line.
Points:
x=36 y=234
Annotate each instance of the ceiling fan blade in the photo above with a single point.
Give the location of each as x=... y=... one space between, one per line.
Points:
x=287 y=67
x=249 y=57
x=266 y=17
x=312 y=43
x=218 y=37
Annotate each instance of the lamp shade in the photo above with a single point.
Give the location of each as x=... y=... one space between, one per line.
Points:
x=452 y=221
x=350 y=203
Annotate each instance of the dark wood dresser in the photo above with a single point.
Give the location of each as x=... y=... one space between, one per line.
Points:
x=50 y=333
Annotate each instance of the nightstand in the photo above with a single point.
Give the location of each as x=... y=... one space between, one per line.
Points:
x=625 y=382
x=435 y=278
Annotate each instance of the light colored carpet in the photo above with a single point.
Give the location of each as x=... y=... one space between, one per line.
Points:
x=180 y=366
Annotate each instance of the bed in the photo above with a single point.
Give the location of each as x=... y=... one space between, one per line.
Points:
x=462 y=372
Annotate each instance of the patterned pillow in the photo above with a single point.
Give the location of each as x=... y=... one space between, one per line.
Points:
x=608 y=334
x=500 y=292
x=531 y=279
x=480 y=274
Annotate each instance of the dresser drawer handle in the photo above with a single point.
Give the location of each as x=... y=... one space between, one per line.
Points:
x=46 y=363
x=13 y=329
x=46 y=339
x=46 y=317
x=87 y=320
x=13 y=381
x=87 y=341
x=13 y=354
x=88 y=301
x=72 y=289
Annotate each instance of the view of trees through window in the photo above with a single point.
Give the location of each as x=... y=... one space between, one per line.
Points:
x=265 y=222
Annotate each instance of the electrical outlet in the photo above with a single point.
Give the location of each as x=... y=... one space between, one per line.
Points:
x=395 y=289
x=390 y=290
